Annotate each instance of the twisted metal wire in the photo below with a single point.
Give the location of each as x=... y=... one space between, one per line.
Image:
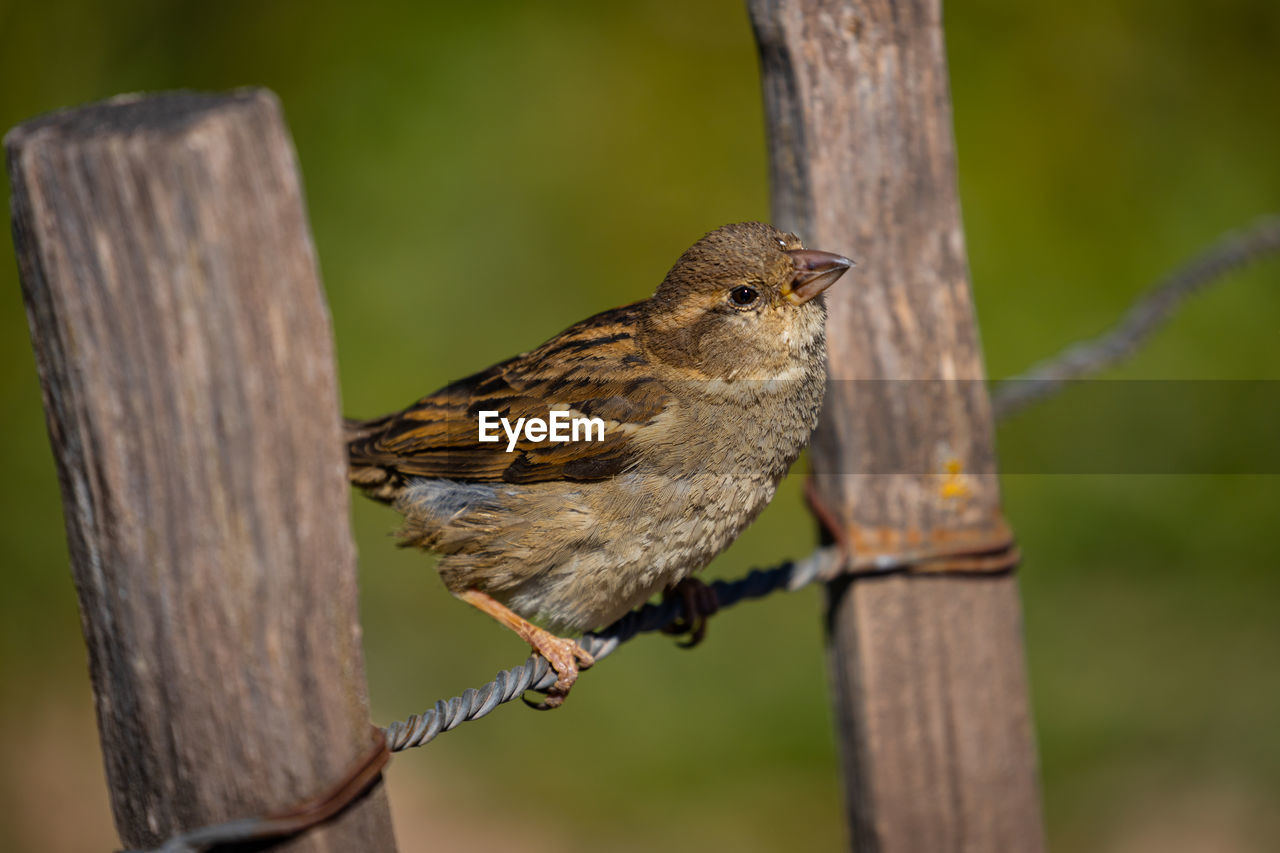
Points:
x=535 y=674
x=1154 y=307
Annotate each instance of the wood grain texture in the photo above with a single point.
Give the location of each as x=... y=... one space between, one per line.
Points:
x=928 y=672
x=185 y=356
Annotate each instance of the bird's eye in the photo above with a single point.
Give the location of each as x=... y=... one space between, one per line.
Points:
x=782 y=243
x=743 y=296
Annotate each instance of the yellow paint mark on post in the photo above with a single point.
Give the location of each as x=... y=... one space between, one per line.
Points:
x=954 y=485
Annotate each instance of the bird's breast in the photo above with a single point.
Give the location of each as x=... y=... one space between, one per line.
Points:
x=716 y=465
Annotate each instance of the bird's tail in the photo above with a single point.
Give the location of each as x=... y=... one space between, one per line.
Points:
x=354 y=429
x=375 y=480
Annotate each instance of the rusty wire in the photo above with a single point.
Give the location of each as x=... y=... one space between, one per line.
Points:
x=249 y=830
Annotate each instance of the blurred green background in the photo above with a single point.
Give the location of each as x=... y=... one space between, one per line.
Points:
x=575 y=149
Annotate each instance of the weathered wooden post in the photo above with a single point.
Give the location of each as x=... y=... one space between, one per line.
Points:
x=185 y=356
x=927 y=664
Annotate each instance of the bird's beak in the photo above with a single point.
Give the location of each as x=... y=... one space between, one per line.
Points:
x=815 y=272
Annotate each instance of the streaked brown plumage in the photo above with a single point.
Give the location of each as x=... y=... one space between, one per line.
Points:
x=709 y=389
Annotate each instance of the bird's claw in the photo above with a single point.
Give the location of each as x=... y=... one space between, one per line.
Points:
x=700 y=602
x=566 y=658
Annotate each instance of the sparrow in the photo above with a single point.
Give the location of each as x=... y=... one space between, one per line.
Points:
x=707 y=391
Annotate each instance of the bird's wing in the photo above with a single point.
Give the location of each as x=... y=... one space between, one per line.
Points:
x=594 y=369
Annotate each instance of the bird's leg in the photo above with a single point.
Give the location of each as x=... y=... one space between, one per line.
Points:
x=565 y=656
x=830 y=524
x=699 y=602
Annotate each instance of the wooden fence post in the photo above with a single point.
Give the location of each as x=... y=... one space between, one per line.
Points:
x=927 y=670
x=186 y=361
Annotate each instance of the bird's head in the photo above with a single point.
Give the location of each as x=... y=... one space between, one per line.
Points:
x=742 y=302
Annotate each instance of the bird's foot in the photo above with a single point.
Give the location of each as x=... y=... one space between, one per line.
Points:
x=700 y=602
x=566 y=657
